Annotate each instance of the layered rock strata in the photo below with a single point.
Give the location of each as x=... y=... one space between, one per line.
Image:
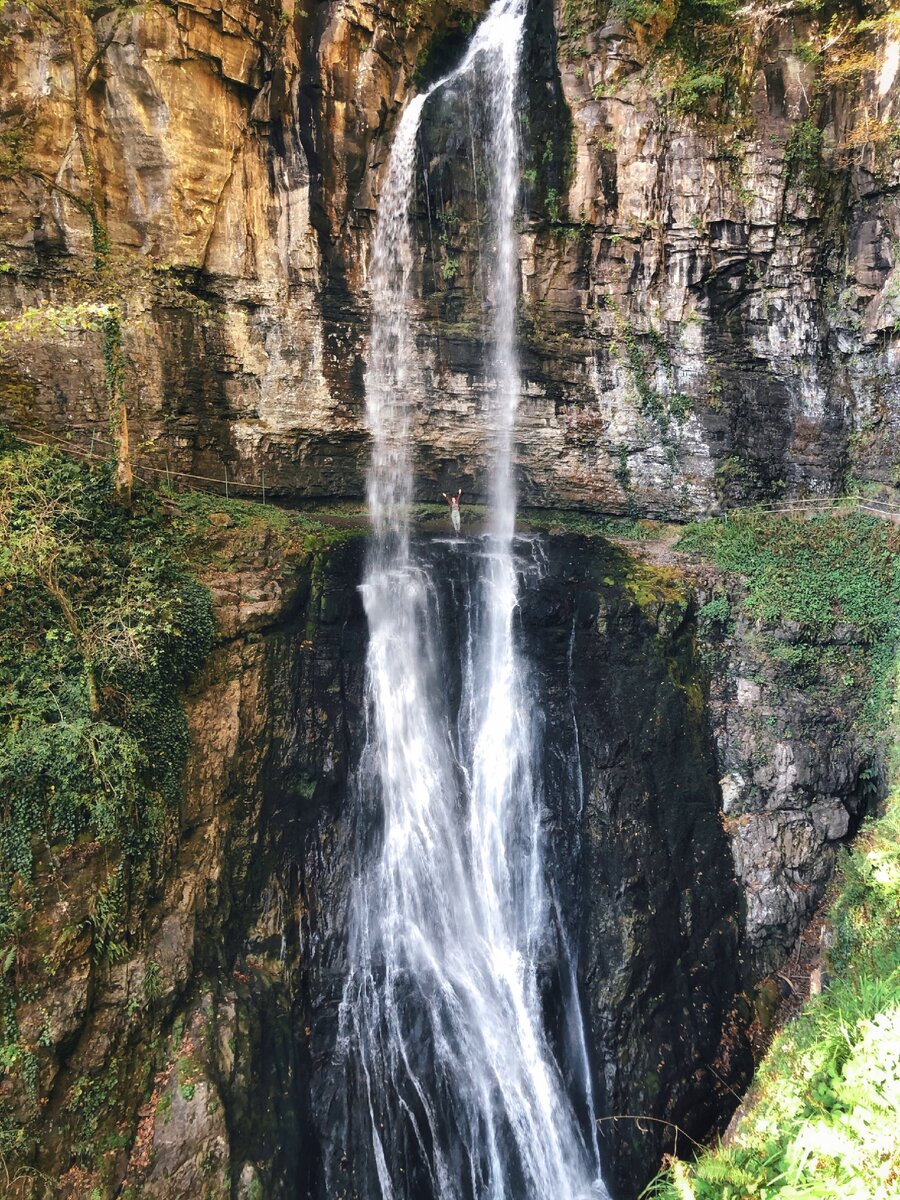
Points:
x=709 y=287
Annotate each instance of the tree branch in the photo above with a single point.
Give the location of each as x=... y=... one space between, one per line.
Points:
x=48 y=12
x=101 y=49
x=83 y=204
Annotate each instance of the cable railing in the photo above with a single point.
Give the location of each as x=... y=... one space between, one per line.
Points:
x=867 y=504
x=227 y=484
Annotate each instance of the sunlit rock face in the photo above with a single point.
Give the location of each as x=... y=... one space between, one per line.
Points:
x=704 y=321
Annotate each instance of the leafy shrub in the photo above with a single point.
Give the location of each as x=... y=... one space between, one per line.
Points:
x=640 y=11
x=815 y=570
x=803 y=151
x=694 y=86
x=715 y=614
x=100 y=627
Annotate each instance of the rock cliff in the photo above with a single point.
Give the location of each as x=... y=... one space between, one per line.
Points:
x=709 y=315
x=708 y=243
x=199 y=1059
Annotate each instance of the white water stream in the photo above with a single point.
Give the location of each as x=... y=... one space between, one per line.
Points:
x=450 y=915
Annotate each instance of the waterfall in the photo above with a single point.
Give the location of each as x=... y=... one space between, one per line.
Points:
x=457 y=1091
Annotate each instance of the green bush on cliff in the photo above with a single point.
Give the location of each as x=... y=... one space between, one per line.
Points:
x=821 y=1119
x=815 y=570
x=99 y=628
x=820 y=571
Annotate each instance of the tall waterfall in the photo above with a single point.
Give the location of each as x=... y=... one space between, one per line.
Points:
x=458 y=1091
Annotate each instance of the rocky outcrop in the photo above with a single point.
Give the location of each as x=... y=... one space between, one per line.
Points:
x=799 y=772
x=689 y=833
x=638 y=862
x=709 y=285
x=661 y=911
x=199 y=1058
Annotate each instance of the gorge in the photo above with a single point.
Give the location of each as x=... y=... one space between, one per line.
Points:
x=442 y=866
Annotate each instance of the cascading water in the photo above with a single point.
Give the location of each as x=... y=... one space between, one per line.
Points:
x=458 y=1091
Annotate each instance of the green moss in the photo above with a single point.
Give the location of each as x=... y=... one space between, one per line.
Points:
x=652 y=587
x=818 y=572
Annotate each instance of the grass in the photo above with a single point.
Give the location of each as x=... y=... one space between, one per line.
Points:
x=587 y=525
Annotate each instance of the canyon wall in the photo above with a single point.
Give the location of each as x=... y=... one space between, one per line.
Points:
x=709 y=307
x=709 y=268
x=200 y=1058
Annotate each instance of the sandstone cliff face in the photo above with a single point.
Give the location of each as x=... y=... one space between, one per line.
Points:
x=709 y=297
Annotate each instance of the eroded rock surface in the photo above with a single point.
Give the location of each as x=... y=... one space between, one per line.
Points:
x=798 y=774
x=709 y=296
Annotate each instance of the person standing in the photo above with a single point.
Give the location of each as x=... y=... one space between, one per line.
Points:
x=453 y=501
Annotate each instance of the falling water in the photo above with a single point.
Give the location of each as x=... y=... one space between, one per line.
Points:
x=458 y=1091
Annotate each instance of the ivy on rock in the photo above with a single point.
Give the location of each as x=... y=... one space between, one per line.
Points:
x=100 y=627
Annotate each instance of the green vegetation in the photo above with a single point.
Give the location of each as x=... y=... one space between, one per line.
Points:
x=641 y=11
x=645 y=355
x=100 y=627
x=715 y=614
x=825 y=1106
x=701 y=56
x=101 y=624
x=694 y=86
x=818 y=571
x=587 y=525
x=301 y=533
x=803 y=151
x=814 y=570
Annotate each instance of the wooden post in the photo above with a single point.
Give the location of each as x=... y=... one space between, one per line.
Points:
x=225 y=465
x=264 y=486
